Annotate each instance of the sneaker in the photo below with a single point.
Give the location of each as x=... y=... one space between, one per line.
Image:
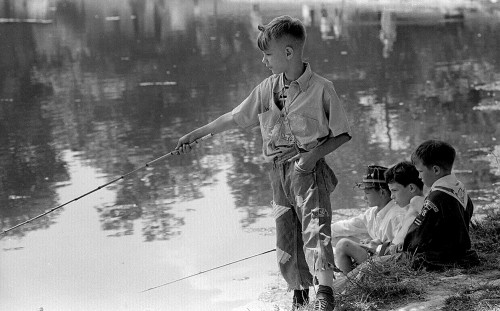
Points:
x=300 y=298
x=324 y=299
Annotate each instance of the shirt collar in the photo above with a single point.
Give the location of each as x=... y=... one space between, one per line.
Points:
x=449 y=181
x=389 y=206
x=452 y=186
x=302 y=81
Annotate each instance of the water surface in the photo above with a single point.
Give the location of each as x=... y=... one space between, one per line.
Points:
x=91 y=90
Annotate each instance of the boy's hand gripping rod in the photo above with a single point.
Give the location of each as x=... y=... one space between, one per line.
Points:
x=106 y=184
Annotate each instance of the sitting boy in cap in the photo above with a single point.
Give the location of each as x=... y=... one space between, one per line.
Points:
x=380 y=221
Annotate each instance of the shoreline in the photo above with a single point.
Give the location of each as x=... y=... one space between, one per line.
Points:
x=473 y=289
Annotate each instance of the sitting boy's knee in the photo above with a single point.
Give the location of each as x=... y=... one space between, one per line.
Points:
x=343 y=245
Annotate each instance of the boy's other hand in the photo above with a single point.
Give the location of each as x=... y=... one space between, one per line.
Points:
x=305 y=161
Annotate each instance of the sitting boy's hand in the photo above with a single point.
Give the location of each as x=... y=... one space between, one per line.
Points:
x=392 y=249
x=373 y=244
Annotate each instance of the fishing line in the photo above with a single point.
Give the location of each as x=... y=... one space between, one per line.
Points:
x=106 y=184
x=205 y=271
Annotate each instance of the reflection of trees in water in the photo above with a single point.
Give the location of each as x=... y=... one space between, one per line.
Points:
x=248 y=178
x=112 y=120
x=150 y=194
x=95 y=67
x=30 y=165
x=29 y=160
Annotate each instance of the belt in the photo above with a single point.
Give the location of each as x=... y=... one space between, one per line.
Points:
x=286 y=155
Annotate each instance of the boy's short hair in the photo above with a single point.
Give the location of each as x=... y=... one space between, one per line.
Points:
x=280 y=27
x=435 y=152
x=404 y=173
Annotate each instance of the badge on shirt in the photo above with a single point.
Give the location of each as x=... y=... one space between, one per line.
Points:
x=428 y=205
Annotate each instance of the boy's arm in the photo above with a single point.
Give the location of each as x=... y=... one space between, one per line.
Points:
x=354 y=226
x=221 y=124
x=307 y=160
x=423 y=229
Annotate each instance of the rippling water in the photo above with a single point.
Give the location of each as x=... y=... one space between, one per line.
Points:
x=91 y=90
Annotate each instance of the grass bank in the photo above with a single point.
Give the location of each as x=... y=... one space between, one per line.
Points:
x=395 y=286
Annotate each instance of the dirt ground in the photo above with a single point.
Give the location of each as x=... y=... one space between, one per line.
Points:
x=440 y=288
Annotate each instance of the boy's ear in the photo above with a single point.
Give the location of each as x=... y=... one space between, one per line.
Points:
x=289 y=52
x=413 y=188
x=436 y=169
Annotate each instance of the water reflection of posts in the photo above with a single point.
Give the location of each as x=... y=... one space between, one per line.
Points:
x=332 y=27
x=307 y=15
x=325 y=24
x=255 y=20
x=338 y=21
x=387 y=31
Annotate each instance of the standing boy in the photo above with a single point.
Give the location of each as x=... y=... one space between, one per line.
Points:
x=439 y=236
x=380 y=222
x=301 y=121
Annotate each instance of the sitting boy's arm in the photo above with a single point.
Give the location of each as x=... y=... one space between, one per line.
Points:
x=391 y=249
x=307 y=160
x=221 y=124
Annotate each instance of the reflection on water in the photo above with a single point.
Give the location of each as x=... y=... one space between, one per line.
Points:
x=116 y=83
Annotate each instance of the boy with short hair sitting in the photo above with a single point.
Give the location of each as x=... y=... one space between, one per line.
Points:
x=381 y=222
x=439 y=236
x=407 y=191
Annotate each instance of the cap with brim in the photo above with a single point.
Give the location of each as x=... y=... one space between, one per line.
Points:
x=374 y=177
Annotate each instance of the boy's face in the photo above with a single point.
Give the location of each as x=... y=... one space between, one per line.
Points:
x=401 y=194
x=275 y=57
x=426 y=174
x=373 y=197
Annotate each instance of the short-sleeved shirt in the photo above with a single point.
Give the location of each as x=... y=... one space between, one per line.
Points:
x=381 y=226
x=312 y=112
x=412 y=210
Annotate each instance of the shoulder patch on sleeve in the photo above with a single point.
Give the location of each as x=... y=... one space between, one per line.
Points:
x=428 y=205
x=417 y=221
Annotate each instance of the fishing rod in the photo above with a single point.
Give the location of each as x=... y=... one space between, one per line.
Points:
x=106 y=184
x=205 y=271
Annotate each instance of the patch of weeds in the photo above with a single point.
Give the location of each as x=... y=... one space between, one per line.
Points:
x=381 y=283
x=458 y=302
x=481 y=298
x=485 y=234
x=485 y=238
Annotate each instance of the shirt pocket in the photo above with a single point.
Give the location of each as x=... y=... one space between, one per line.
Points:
x=268 y=121
x=306 y=130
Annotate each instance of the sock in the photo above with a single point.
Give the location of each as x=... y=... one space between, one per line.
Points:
x=326 y=290
x=300 y=297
